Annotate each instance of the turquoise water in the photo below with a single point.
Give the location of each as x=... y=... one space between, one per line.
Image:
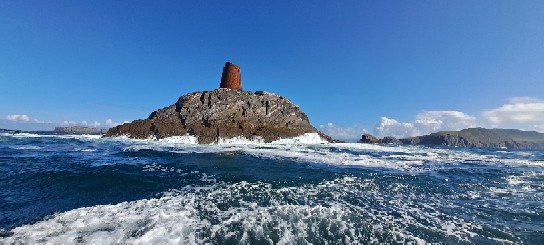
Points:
x=85 y=189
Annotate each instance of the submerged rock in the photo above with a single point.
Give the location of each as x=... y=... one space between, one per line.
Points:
x=222 y=114
x=368 y=138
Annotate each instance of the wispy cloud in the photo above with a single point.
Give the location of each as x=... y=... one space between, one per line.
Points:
x=110 y=123
x=95 y=124
x=18 y=118
x=68 y=123
x=25 y=122
x=525 y=112
x=426 y=122
x=529 y=111
x=338 y=132
x=21 y=118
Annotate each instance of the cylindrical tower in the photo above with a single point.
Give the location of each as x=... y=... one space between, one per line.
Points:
x=231 y=77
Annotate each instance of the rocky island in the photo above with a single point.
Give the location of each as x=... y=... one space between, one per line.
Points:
x=80 y=130
x=471 y=137
x=224 y=113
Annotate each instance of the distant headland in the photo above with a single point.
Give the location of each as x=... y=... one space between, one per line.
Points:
x=80 y=130
x=471 y=137
x=224 y=113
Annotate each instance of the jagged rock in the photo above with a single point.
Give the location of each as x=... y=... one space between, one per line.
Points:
x=223 y=113
x=231 y=77
x=390 y=140
x=367 y=138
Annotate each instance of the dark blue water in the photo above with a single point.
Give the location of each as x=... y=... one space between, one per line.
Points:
x=84 y=189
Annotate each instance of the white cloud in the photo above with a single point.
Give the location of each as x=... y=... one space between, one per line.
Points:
x=426 y=122
x=95 y=124
x=525 y=99
x=38 y=121
x=84 y=123
x=111 y=123
x=18 y=118
x=337 y=132
x=539 y=128
x=68 y=123
x=524 y=112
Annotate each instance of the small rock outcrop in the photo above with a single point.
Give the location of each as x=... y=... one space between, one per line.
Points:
x=224 y=113
x=367 y=138
x=390 y=140
x=231 y=77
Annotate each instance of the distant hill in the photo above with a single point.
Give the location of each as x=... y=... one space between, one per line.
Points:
x=80 y=130
x=471 y=137
x=481 y=137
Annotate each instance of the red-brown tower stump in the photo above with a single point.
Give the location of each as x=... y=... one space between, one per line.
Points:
x=231 y=77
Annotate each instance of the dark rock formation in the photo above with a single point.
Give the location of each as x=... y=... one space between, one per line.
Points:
x=223 y=113
x=471 y=137
x=390 y=140
x=367 y=138
x=231 y=77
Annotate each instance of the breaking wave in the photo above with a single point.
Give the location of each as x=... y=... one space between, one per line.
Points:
x=258 y=212
x=300 y=191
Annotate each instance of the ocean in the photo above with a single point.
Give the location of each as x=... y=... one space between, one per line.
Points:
x=67 y=189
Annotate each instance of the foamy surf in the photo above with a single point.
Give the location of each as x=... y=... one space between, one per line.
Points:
x=117 y=190
x=270 y=215
x=311 y=148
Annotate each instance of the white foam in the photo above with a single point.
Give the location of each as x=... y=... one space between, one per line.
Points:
x=88 y=150
x=156 y=221
x=25 y=135
x=29 y=147
x=240 y=140
x=259 y=212
x=185 y=139
x=184 y=218
x=306 y=149
x=307 y=138
x=311 y=148
x=67 y=136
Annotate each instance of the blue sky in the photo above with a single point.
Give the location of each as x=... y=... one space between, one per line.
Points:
x=387 y=67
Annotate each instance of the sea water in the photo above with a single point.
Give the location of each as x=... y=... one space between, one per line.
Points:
x=65 y=189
